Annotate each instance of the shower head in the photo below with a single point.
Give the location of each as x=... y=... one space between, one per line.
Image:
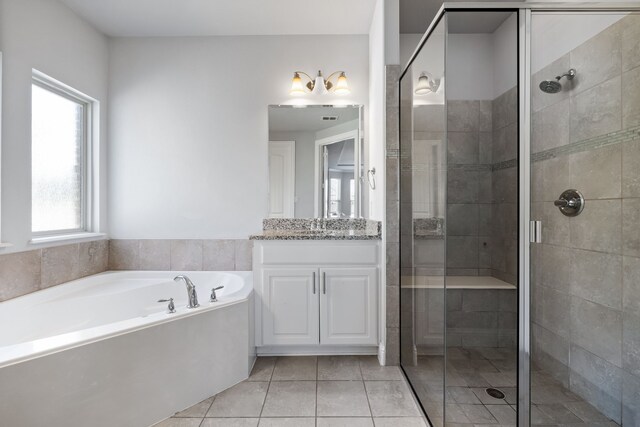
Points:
x=550 y=86
x=554 y=86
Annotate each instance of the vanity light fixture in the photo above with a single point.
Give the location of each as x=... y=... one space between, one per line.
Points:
x=426 y=84
x=319 y=86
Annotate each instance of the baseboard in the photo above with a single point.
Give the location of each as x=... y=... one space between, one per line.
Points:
x=382 y=354
x=316 y=350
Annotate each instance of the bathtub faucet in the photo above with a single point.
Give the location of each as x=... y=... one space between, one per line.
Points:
x=191 y=291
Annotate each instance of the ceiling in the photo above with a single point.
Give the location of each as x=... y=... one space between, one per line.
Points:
x=287 y=119
x=148 y=18
x=416 y=15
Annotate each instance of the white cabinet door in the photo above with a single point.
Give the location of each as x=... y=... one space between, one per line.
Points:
x=349 y=306
x=290 y=306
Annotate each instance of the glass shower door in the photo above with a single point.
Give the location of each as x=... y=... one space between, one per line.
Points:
x=422 y=217
x=482 y=218
x=585 y=193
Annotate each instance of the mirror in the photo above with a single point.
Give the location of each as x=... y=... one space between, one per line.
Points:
x=315 y=161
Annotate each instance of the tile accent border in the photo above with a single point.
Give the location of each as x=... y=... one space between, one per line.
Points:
x=613 y=138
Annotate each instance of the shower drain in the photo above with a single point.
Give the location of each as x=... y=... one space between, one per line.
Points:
x=495 y=393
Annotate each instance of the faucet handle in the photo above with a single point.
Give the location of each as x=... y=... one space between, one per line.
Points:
x=214 y=297
x=171 y=307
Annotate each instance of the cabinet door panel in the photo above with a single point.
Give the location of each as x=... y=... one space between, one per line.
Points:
x=290 y=306
x=349 y=306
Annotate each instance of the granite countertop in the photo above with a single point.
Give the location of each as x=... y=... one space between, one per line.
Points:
x=319 y=229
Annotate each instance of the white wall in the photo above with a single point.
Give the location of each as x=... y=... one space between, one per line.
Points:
x=377 y=116
x=189 y=127
x=504 y=42
x=47 y=36
x=479 y=66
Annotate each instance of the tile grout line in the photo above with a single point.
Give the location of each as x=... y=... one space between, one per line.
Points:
x=264 y=402
x=209 y=408
x=364 y=385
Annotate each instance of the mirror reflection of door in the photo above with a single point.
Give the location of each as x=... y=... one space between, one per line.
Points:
x=312 y=129
x=282 y=174
x=337 y=184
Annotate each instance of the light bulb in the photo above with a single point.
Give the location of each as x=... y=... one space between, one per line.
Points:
x=342 y=87
x=424 y=86
x=319 y=87
x=297 y=88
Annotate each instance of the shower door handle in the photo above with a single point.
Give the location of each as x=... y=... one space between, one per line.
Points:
x=535 y=231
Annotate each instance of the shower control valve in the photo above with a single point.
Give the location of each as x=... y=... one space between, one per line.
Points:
x=570 y=203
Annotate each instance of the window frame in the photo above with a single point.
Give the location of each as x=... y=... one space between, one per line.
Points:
x=88 y=104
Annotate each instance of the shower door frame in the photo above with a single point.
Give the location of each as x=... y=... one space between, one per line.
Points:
x=525 y=233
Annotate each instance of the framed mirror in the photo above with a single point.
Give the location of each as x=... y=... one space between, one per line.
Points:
x=316 y=161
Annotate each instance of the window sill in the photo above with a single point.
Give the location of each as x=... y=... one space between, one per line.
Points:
x=66 y=237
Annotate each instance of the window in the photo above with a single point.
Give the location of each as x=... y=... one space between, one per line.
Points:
x=60 y=167
x=352 y=198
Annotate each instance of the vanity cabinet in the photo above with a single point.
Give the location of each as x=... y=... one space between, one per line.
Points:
x=290 y=312
x=348 y=306
x=316 y=293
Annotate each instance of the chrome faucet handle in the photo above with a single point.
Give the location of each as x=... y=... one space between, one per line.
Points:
x=171 y=307
x=214 y=297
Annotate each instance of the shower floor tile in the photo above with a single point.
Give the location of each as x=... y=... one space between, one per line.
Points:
x=471 y=371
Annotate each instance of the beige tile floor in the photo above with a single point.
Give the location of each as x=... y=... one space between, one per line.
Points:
x=324 y=391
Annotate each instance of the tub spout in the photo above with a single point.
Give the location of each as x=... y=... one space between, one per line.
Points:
x=192 y=295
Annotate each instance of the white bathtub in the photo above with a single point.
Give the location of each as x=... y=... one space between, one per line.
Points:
x=102 y=351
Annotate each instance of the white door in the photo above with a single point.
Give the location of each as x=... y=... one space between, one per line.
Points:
x=282 y=175
x=290 y=306
x=349 y=306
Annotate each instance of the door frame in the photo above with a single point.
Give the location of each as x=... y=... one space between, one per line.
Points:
x=319 y=173
x=290 y=199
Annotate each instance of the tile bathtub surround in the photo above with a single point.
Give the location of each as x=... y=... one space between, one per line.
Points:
x=296 y=392
x=181 y=254
x=585 y=275
x=25 y=272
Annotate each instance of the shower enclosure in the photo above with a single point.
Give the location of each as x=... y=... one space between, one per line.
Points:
x=520 y=215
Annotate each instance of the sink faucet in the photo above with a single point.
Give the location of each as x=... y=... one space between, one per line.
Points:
x=191 y=291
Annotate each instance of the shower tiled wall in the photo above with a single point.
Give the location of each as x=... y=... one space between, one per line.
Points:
x=469 y=213
x=482 y=187
x=391 y=229
x=24 y=272
x=586 y=273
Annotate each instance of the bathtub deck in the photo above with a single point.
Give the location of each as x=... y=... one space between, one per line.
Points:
x=309 y=391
